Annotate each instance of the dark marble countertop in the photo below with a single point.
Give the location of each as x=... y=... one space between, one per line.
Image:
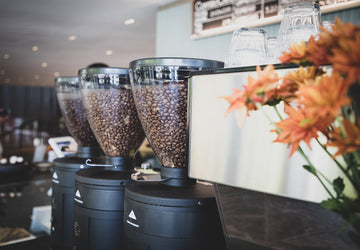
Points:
x=18 y=196
x=259 y=221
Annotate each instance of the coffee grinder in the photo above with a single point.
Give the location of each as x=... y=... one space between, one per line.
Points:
x=64 y=169
x=99 y=195
x=177 y=212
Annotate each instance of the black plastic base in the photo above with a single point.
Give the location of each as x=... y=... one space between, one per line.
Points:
x=120 y=162
x=177 y=177
x=161 y=217
x=62 y=204
x=99 y=208
x=62 y=213
x=97 y=229
x=88 y=152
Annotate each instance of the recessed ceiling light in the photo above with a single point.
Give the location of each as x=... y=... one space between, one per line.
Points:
x=44 y=64
x=56 y=74
x=129 y=21
x=35 y=48
x=109 y=52
x=72 y=38
x=36 y=77
x=6 y=56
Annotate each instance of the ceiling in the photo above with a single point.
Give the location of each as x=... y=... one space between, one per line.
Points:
x=37 y=36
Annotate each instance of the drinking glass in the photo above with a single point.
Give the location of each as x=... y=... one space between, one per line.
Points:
x=327 y=24
x=272 y=46
x=248 y=47
x=299 y=22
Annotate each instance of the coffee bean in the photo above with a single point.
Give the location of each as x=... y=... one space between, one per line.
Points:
x=163 y=110
x=75 y=119
x=113 y=117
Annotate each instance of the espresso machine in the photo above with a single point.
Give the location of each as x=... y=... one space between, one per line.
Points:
x=64 y=169
x=99 y=195
x=176 y=212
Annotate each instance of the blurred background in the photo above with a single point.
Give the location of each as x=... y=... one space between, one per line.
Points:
x=43 y=39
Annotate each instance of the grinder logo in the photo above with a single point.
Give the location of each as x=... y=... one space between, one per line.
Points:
x=55 y=178
x=78 y=197
x=132 y=216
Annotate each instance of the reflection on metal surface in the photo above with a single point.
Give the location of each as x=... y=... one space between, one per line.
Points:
x=222 y=152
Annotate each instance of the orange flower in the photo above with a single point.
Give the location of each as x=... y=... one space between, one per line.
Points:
x=254 y=92
x=326 y=37
x=291 y=82
x=303 y=75
x=301 y=125
x=346 y=58
x=341 y=30
x=267 y=80
x=339 y=47
x=350 y=142
x=284 y=91
x=325 y=96
x=268 y=76
x=296 y=55
x=236 y=100
x=318 y=51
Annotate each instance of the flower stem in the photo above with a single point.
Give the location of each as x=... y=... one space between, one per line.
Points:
x=300 y=150
x=354 y=169
x=277 y=112
x=338 y=164
x=357 y=157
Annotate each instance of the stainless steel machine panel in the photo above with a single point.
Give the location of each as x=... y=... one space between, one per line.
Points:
x=226 y=150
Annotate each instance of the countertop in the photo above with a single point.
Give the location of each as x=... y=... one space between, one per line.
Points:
x=18 y=196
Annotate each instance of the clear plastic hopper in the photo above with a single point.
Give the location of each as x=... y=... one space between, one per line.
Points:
x=111 y=111
x=160 y=87
x=73 y=111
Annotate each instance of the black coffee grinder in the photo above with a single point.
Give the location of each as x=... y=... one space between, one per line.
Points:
x=177 y=212
x=64 y=169
x=99 y=195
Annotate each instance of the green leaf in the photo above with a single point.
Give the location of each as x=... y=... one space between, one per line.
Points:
x=273 y=102
x=339 y=185
x=311 y=169
x=331 y=205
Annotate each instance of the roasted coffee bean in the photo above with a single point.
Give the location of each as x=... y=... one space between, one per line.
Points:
x=113 y=117
x=163 y=110
x=75 y=119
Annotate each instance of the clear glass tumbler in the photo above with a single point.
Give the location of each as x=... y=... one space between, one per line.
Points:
x=248 y=47
x=272 y=46
x=299 y=23
x=327 y=24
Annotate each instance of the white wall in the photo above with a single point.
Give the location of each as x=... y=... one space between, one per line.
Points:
x=173 y=30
